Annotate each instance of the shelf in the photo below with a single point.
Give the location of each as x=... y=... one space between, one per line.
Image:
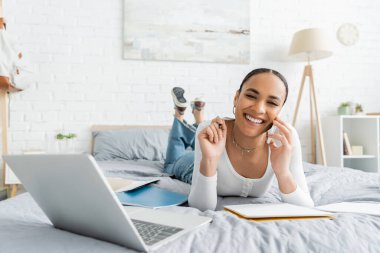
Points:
x=359 y=116
x=358 y=156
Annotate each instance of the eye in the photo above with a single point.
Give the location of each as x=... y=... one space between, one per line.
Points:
x=272 y=103
x=251 y=96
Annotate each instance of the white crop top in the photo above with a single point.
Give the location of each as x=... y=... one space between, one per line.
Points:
x=227 y=182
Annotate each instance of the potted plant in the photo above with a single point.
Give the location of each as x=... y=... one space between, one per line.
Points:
x=66 y=141
x=359 y=109
x=344 y=108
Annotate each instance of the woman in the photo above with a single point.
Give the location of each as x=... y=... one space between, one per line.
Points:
x=232 y=156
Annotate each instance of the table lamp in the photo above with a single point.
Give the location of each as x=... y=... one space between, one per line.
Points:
x=310 y=45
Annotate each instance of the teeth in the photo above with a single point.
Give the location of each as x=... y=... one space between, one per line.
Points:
x=256 y=121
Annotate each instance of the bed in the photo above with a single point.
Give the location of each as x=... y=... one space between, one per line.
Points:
x=25 y=228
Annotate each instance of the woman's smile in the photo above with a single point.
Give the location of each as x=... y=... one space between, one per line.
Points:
x=253 y=119
x=254 y=122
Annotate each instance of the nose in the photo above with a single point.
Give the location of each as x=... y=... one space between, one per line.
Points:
x=259 y=107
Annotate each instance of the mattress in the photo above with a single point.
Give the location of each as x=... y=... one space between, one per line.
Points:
x=25 y=228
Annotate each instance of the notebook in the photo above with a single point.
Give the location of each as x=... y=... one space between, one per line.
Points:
x=121 y=184
x=353 y=207
x=278 y=211
x=151 y=196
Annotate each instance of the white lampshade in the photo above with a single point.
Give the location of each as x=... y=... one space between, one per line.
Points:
x=310 y=44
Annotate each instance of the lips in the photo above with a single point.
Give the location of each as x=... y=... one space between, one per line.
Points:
x=253 y=119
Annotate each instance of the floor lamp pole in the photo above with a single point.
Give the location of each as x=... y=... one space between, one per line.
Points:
x=312 y=128
x=308 y=72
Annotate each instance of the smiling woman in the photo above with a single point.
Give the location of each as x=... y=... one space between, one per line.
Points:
x=237 y=160
x=241 y=156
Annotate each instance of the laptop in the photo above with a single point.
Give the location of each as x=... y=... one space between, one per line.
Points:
x=75 y=196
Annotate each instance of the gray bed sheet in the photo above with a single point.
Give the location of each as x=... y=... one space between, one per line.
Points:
x=25 y=228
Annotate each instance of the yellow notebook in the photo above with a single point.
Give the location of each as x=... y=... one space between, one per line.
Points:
x=273 y=212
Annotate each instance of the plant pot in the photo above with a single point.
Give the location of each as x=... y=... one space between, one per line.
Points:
x=344 y=110
x=66 y=146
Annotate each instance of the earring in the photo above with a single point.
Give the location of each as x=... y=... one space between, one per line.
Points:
x=233 y=110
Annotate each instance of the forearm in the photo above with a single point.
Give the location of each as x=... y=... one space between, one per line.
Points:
x=286 y=182
x=291 y=193
x=293 y=188
x=203 y=194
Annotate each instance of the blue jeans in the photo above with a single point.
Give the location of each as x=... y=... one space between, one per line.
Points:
x=179 y=159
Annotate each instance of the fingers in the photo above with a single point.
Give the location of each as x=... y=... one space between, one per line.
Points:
x=214 y=128
x=279 y=137
x=217 y=121
x=283 y=123
x=284 y=129
x=273 y=145
x=221 y=126
x=217 y=130
x=212 y=133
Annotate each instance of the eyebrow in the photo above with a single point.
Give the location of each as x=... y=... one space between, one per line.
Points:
x=258 y=93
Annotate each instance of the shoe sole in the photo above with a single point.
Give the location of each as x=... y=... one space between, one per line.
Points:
x=198 y=105
x=178 y=98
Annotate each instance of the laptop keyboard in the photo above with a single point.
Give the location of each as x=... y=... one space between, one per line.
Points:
x=152 y=232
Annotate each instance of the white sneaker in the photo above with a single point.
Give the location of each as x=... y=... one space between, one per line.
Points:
x=178 y=98
x=180 y=102
x=198 y=103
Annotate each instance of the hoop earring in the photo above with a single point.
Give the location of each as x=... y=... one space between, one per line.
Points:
x=233 y=110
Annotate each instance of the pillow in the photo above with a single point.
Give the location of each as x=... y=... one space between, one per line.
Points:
x=131 y=144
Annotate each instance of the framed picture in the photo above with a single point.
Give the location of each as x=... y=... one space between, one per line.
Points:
x=183 y=30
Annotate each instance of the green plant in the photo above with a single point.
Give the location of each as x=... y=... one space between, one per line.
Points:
x=345 y=108
x=344 y=104
x=69 y=136
x=358 y=108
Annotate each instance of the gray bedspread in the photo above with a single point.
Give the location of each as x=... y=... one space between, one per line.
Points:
x=24 y=227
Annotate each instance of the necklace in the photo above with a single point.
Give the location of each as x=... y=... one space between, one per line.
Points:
x=242 y=149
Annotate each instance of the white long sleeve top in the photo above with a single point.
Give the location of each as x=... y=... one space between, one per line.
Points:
x=227 y=182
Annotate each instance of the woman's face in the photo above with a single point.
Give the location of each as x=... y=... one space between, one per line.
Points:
x=258 y=103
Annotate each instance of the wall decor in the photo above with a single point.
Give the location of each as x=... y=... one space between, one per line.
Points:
x=184 y=30
x=348 y=34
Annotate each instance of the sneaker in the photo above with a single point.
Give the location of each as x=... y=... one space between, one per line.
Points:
x=198 y=104
x=180 y=102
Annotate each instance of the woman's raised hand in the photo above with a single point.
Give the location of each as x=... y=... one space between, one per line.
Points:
x=280 y=155
x=212 y=139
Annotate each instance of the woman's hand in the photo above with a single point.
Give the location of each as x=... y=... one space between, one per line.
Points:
x=280 y=155
x=212 y=139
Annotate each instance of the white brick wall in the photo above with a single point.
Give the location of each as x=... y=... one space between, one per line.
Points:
x=75 y=48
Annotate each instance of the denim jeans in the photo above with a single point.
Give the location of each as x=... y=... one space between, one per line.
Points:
x=179 y=159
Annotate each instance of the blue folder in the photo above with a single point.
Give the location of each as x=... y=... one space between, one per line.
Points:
x=152 y=197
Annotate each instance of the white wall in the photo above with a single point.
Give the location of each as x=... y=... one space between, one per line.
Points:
x=81 y=79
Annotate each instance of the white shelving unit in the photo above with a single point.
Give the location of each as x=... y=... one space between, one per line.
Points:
x=363 y=131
